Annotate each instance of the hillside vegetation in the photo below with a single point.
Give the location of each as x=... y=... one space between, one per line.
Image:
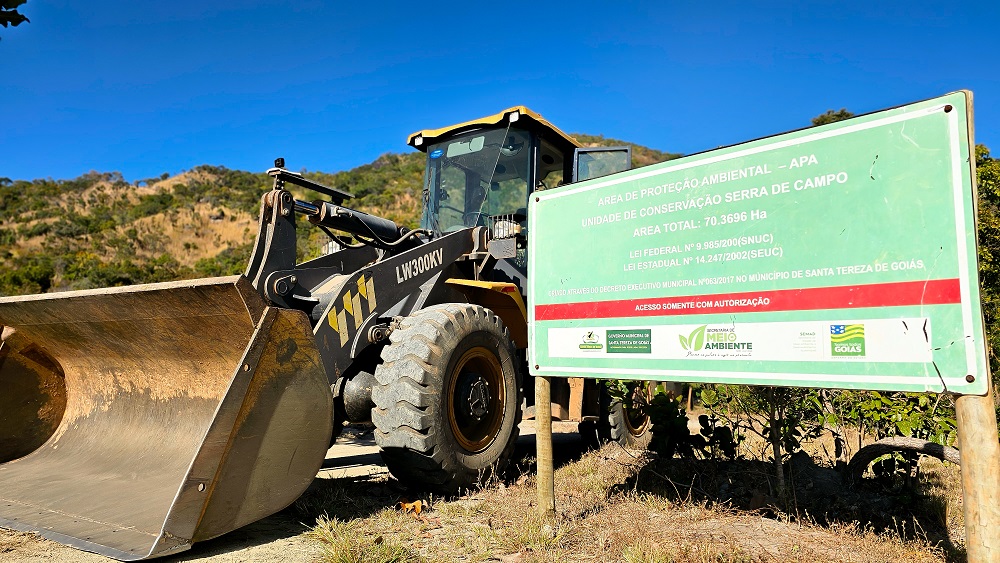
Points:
x=100 y=230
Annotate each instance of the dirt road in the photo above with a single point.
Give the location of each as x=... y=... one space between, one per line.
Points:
x=281 y=537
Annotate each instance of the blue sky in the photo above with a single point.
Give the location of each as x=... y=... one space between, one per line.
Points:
x=145 y=87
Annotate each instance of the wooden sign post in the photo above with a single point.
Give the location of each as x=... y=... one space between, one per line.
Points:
x=543 y=444
x=980 y=455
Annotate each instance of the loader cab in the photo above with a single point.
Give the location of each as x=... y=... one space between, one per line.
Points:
x=482 y=172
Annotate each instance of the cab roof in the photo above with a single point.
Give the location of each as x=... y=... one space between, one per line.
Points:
x=518 y=116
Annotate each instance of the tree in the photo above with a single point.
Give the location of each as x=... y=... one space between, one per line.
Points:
x=830 y=116
x=9 y=16
x=988 y=211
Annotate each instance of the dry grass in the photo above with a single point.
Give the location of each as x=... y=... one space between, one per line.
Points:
x=192 y=234
x=611 y=507
x=342 y=544
x=188 y=234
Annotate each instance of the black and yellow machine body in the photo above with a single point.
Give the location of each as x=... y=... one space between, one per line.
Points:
x=135 y=421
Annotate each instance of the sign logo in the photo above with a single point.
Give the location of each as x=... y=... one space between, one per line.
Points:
x=635 y=341
x=694 y=341
x=847 y=340
x=591 y=341
x=718 y=341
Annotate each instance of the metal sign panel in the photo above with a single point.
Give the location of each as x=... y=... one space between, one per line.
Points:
x=838 y=256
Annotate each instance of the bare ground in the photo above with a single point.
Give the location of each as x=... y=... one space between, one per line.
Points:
x=612 y=505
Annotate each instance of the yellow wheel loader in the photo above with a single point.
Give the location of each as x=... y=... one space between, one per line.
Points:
x=135 y=421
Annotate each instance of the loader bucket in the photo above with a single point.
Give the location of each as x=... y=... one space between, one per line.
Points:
x=136 y=421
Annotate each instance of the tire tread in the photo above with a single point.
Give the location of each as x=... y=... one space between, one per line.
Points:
x=405 y=415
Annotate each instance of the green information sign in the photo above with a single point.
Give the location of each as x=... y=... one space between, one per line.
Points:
x=838 y=256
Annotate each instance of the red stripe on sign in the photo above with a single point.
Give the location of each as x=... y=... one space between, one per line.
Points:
x=899 y=294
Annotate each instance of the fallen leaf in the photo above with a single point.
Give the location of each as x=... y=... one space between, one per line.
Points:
x=414 y=507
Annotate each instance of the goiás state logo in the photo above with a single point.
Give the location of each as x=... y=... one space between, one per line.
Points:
x=847 y=340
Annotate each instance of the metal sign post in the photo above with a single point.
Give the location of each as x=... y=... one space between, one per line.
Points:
x=840 y=256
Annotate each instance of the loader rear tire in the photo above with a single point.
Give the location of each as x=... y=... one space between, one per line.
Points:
x=627 y=424
x=447 y=398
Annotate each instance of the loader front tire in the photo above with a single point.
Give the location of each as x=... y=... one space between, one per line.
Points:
x=447 y=398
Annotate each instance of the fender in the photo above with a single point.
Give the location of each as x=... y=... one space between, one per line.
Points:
x=502 y=298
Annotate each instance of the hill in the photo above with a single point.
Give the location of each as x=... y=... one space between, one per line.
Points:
x=100 y=230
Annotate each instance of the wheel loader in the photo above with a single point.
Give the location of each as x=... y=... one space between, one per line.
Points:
x=137 y=420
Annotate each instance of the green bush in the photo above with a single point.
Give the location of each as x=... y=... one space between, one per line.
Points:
x=35 y=230
x=671 y=435
x=30 y=275
x=151 y=205
x=228 y=262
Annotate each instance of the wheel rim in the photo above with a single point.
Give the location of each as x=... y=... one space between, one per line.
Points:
x=476 y=399
x=636 y=418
